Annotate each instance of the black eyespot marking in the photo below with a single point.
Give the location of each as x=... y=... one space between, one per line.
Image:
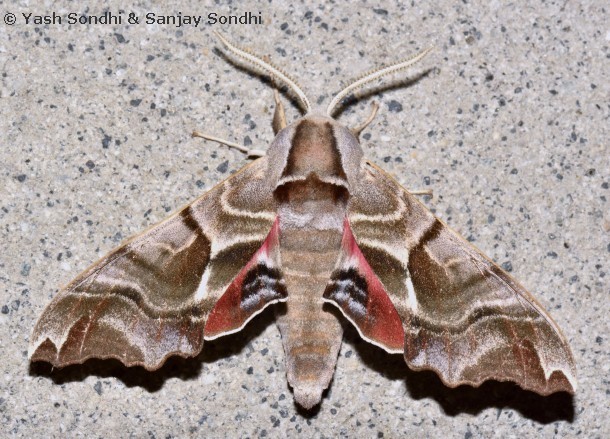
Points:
x=349 y=290
x=261 y=285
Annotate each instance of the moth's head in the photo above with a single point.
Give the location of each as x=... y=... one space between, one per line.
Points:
x=277 y=73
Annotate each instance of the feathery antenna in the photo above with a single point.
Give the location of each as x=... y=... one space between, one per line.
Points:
x=373 y=75
x=257 y=61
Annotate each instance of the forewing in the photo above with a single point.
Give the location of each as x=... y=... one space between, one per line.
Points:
x=463 y=317
x=151 y=297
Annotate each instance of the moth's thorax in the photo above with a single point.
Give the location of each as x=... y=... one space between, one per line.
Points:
x=315 y=147
x=313 y=186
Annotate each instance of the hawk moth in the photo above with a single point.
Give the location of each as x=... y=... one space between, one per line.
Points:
x=309 y=223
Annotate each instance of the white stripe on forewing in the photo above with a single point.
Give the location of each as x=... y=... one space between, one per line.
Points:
x=411 y=297
x=218 y=244
x=395 y=215
x=398 y=251
x=202 y=289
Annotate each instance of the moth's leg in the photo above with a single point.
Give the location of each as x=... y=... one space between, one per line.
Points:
x=247 y=151
x=423 y=192
x=279 y=122
x=279 y=116
x=357 y=130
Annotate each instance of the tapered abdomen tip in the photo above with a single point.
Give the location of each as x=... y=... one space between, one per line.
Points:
x=308 y=396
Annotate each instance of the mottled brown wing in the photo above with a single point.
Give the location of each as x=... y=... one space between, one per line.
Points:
x=463 y=317
x=151 y=297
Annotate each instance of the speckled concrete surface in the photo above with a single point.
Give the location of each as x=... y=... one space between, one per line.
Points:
x=509 y=128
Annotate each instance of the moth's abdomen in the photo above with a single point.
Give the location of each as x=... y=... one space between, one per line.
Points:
x=310 y=334
x=310 y=244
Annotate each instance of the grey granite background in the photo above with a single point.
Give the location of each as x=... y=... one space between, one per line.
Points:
x=509 y=127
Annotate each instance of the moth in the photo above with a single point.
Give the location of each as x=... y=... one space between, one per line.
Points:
x=310 y=226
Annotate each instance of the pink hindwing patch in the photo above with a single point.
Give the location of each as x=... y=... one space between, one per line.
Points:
x=256 y=286
x=362 y=298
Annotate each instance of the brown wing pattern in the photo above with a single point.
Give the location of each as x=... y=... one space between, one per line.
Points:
x=463 y=316
x=150 y=298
